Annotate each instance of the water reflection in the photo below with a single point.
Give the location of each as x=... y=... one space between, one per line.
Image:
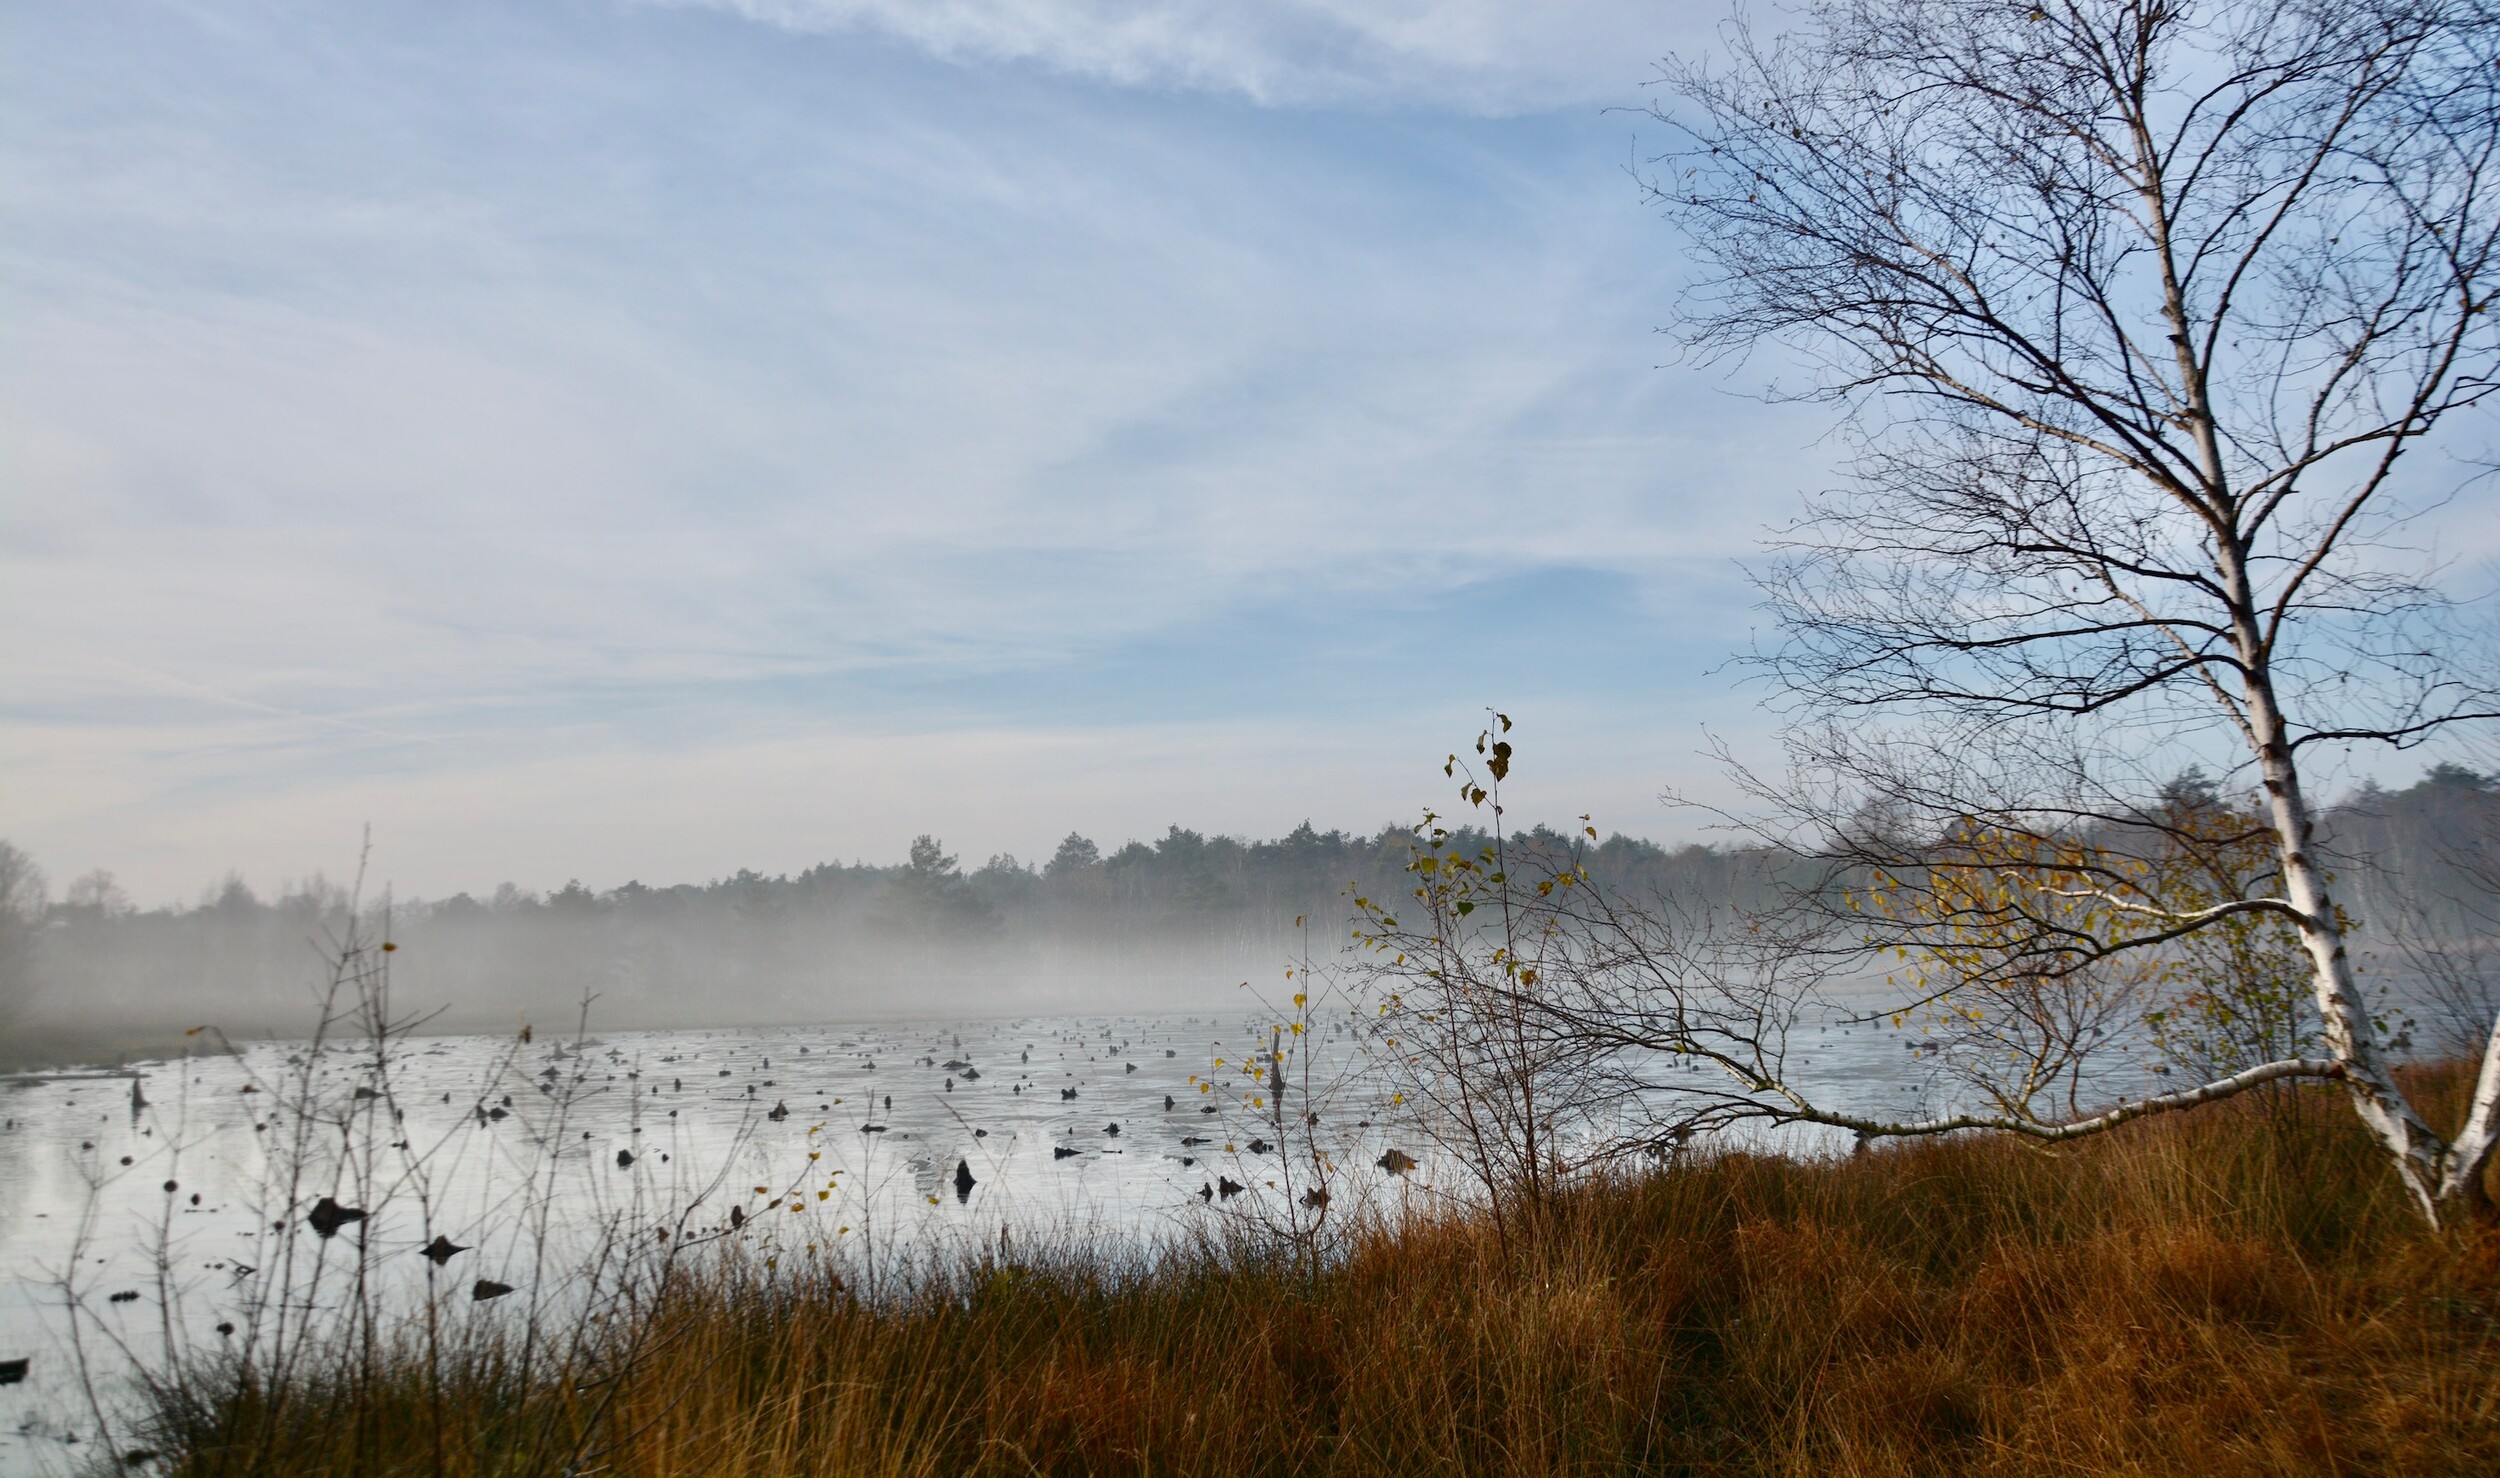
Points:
x=497 y=1160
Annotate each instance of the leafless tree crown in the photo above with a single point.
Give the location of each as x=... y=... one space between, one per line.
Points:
x=2138 y=309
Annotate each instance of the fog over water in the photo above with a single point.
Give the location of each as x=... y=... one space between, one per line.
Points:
x=891 y=1060
x=1176 y=923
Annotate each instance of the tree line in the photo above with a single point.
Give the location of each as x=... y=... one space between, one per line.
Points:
x=1176 y=921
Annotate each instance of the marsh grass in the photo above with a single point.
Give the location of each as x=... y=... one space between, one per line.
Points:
x=2241 y=1290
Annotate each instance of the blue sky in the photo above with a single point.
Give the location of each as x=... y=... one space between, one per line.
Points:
x=598 y=439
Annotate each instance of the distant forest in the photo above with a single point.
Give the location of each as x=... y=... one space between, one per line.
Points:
x=1177 y=923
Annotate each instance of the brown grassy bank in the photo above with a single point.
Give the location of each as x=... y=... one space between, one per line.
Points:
x=2238 y=1291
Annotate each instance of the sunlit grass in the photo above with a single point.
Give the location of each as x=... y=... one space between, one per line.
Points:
x=2241 y=1290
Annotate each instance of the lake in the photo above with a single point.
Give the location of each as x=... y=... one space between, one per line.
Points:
x=823 y=1136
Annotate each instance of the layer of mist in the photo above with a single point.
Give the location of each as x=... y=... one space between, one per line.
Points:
x=1176 y=924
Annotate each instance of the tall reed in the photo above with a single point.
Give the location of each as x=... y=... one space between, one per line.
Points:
x=2234 y=1291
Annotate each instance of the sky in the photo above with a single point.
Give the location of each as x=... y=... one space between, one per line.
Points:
x=615 y=439
x=600 y=439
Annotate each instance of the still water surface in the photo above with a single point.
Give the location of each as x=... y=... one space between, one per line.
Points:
x=1066 y=1126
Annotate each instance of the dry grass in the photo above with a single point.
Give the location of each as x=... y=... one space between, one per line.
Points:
x=2238 y=1291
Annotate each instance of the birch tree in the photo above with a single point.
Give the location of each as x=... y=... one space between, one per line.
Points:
x=2157 y=325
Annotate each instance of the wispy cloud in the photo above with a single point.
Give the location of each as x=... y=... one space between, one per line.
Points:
x=426 y=401
x=1477 y=55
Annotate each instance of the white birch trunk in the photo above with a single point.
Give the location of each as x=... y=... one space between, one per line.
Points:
x=2471 y=1154
x=2421 y=1156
